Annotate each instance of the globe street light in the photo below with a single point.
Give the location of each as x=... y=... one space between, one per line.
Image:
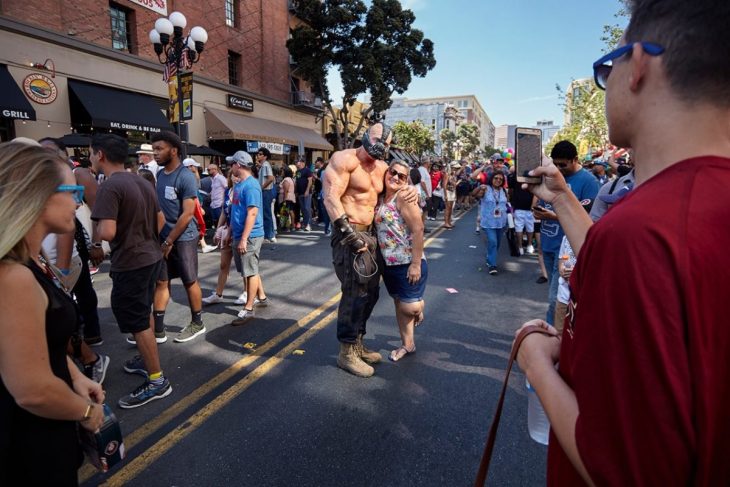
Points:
x=177 y=53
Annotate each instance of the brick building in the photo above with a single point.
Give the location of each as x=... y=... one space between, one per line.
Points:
x=83 y=66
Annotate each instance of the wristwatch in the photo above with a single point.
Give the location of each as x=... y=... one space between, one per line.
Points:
x=166 y=243
x=96 y=245
x=87 y=413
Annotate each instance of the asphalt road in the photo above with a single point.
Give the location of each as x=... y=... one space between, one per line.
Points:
x=264 y=404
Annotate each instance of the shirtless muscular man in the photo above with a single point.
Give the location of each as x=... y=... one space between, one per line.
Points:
x=352 y=182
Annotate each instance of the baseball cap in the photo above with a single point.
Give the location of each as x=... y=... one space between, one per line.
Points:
x=242 y=158
x=497 y=157
x=145 y=149
x=190 y=162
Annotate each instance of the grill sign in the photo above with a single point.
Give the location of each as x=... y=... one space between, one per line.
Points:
x=245 y=104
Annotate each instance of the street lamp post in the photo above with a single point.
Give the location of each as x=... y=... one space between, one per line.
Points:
x=177 y=53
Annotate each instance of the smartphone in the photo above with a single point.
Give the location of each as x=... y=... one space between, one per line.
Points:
x=538 y=208
x=528 y=154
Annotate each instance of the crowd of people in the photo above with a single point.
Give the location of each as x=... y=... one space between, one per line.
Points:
x=633 y=377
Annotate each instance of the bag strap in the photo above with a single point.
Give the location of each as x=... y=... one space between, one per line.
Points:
x=492 y=436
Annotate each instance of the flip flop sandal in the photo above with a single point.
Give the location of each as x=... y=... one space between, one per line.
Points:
x=400 y=352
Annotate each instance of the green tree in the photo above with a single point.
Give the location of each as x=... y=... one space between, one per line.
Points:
x=468 y=135
x=586 y=105
x=376 y=50
x=414 y=137
x=447 y=143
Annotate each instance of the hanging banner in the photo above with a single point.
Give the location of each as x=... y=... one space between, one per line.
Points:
x=159 y=6
x=273 y=148
x=186 y=89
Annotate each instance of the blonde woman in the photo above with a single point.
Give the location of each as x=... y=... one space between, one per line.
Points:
x=43 y=395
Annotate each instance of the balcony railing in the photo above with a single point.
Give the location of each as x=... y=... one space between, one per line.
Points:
x=307 y=99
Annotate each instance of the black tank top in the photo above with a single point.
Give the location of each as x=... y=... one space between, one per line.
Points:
x=27 y=440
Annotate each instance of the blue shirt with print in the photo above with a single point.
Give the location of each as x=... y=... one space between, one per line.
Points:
x=245 y=195
x=585 y=187
x=172 y=190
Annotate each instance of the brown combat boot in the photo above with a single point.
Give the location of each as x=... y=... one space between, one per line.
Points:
x=368 y=356
x=349 y=360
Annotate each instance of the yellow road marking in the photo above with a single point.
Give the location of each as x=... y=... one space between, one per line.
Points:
x=151 y=426
x=141 y=462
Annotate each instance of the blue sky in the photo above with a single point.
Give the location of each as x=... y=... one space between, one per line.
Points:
x=510 y=54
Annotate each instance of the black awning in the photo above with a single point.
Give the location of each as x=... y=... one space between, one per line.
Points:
x=13 y=104
x=76 y=140
x=102 y=107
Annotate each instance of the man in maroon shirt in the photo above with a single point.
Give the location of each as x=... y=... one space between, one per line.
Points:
x=642 y=392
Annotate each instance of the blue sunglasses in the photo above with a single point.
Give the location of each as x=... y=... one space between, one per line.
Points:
x=602 y=67
x=76 y=191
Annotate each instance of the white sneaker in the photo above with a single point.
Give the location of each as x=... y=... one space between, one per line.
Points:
x=272 y=240
x=530 y=249
x=307 y=228
x=522 y=251
x=213 y=299
x=208 y=248
x=242 y=298
x=328 y=233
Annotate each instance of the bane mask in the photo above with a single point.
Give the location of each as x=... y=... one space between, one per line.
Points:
x=376 y=141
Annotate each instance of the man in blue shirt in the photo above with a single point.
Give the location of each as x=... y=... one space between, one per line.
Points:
x=247 y=232
x=585 y=187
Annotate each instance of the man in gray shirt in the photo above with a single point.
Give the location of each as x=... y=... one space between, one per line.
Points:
x=266 y=179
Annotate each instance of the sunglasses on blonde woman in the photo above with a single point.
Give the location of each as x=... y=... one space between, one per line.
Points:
x=403 y=177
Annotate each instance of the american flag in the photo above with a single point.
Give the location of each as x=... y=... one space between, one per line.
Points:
x=169 y=72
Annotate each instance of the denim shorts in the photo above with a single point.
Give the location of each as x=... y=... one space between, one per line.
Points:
x=396 y=282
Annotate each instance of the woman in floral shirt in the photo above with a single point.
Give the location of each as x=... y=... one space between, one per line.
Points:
x=400 y=238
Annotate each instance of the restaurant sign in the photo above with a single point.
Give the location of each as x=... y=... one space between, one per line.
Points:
x=239 y=102
x=273 y=148
x=159 y=6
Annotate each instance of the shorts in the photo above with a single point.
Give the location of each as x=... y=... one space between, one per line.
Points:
x=396 y=282
x=248 y=264
x=524 y=220
x=182 y=262
x=132 y=296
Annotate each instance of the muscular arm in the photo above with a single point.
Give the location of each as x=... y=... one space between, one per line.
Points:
x=334 y=184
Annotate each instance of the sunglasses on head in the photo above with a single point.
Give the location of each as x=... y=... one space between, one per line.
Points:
x=602 y=68
x=401 y=176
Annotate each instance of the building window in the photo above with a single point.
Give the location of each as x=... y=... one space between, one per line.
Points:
x=234 y=68
x=433 y=124
x=463 y=103
x=121 y=23
x=230 y=13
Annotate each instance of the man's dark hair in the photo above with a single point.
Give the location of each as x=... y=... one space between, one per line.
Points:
x=266 y=152
x=695 y=37
x=564 y=150
x=114 y=147
x=57 y=142
x=170 y=138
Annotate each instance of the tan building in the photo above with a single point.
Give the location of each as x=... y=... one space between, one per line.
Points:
x=468 y=107
x=86 y=66
x=576 y=88
x=354 y=116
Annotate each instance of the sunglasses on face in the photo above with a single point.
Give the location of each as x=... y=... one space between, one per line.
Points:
x=402 y=177
x=602 y=68
x=76 y=191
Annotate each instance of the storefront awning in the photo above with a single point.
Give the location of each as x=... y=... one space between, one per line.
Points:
x=221 y=124
x=13 y=104
x=102 y=107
